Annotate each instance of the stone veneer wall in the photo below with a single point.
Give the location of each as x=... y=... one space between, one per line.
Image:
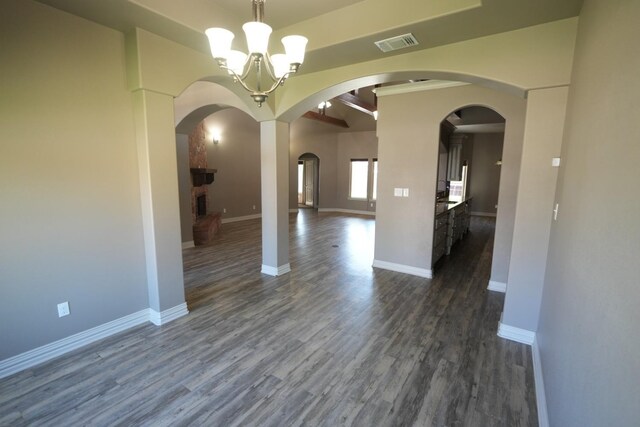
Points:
x=198 y=159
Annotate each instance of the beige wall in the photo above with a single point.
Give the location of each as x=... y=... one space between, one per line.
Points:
x=70 y=216
x=408 y=155
x=588 y=329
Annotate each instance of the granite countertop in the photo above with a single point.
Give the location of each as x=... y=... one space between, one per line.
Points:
x=443 y=206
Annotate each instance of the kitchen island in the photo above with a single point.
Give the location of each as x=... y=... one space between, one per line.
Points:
x=450 y=225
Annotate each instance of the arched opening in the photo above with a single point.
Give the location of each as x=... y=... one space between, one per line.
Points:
x=308 y=181
x=470 y=148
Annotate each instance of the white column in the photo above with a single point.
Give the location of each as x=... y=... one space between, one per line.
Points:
x=156 y=142
x=274 y=161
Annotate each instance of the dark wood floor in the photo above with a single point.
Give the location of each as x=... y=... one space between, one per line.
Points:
x=335 y=342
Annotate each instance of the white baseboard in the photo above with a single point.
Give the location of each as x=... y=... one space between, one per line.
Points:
x=47 y=352
x=489 y=214
x=401 y=268
x=293 y=210
x=497 y=286
x=512 y=333
x=240 y=218
x=166 y=316
x=349 y=211
x=57 y=348
x=541 y=397
x=187 y=245
x=276 y=271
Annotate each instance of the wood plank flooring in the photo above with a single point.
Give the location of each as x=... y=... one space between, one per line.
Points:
x=333 y=343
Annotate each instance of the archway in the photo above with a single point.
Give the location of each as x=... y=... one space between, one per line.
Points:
x=308 y=188
x=470 y=148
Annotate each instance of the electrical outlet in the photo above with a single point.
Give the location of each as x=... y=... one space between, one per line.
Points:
x=254 y=207
x=63 y=309
x=405 y=192
x=224 y=210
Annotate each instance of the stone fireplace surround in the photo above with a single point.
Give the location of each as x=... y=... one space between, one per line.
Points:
x=205 y=227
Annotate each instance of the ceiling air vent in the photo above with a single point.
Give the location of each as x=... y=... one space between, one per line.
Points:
x=398 y=42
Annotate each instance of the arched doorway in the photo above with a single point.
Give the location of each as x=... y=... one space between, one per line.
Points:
x=470 y=148
x=308 y=181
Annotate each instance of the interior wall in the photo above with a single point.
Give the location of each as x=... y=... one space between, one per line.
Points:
x=587 y=332
x=70 y=217
x=408 y=132
x=184 y=187
x=353 y=145
x=236 y=186
x=484 y=179
x=308 y=136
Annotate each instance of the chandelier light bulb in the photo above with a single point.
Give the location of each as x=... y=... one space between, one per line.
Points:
x=236 y=62
x=295 y=46
x=220 y=42
x=257 y=34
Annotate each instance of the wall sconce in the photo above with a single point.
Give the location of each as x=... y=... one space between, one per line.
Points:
x=215 y=137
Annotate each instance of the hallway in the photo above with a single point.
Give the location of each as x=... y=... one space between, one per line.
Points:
x=334 y=342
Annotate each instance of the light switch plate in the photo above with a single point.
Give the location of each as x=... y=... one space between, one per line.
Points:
x=397 y=192
x=63 y=309
x=405 y=192
x=555 y=162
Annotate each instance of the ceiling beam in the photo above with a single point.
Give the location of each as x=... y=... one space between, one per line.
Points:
x=356 y=103
x=325 y=119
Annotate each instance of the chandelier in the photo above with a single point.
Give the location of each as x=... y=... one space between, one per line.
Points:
x=239 y=64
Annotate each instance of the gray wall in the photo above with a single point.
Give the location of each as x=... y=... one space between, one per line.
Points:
x=70 y=214
x=236 y=187
x=308 y=136
x=184 y=187
x=589 y=316
x=484 y=177
x=408 y=131
x=354 y=145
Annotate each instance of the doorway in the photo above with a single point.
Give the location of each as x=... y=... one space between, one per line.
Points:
x=308 y=181
x=468 y=176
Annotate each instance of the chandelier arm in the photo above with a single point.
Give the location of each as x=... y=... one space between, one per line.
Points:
x=238 y=79
x=268 y=64
x=277 y=83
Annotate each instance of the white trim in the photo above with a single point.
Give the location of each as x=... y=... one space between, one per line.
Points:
x=512 y=333
x=541 y=398
x=57 y=348
x=187 y=245
x=349 y=211
x=497 y=286
x=489 y=214
x=417 y=87
x=276 y=271
x=241 y=218
x=166 y=316
x=401 y=268
x=293 y=210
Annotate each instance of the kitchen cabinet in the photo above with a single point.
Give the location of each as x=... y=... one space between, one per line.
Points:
x=450 y=225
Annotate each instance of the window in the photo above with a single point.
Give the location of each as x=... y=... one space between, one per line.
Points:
x=359 y=179
x=374 y=189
